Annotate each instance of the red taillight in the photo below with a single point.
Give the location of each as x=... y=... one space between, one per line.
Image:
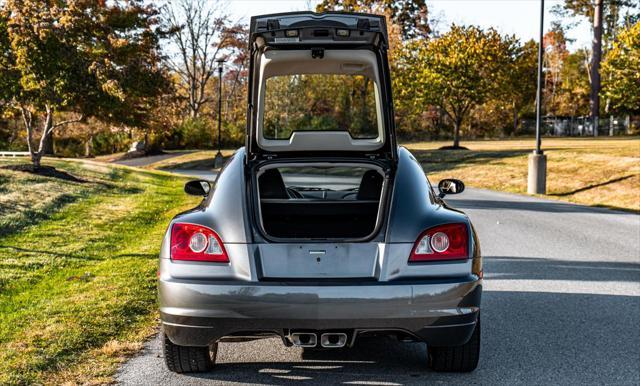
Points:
x=196 y=243
x=444 y=242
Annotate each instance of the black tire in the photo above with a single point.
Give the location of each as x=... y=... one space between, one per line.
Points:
x=457 y=358
x=185 y=359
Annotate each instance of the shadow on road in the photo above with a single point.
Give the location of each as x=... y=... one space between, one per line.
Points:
x=372 y=361
x=538 y=268
x=530 y=205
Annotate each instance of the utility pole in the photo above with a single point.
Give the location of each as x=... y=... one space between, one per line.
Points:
x=219 y=158
x=595 y=67
x=537 y=179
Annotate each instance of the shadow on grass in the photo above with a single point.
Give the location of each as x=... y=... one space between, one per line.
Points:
x=442 y=160
x=592 y=186
x=45 y=171
x=77 y=256
x=31 y=217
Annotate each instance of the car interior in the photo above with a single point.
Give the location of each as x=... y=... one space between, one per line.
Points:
x=325 y=205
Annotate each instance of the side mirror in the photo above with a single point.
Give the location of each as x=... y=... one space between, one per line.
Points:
x=197 y=188
x=450 y=186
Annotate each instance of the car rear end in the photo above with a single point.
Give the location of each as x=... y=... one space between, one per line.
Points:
x=321 y=229
x=422 y=285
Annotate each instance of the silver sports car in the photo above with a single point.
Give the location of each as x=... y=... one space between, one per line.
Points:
x=321 y=229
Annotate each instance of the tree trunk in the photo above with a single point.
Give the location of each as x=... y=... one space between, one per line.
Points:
x=515 y=120
x=36 y=153
x=194 y=111
x=611 y=126
x=36 y=157
x=48 y=145
x=456 y=133
x=47 y=130
x=88 y=147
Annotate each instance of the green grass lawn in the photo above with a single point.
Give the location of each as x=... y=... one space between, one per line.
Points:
x=78 y=261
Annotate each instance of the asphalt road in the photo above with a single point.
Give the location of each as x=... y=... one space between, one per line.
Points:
x=561 y=305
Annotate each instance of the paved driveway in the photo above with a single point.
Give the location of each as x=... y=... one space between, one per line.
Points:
x=561 y=306
x=144 y=161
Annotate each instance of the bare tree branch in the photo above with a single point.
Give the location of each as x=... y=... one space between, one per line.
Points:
x=202 y=34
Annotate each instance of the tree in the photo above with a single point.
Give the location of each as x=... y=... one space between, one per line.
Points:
x=555 y=54
x=606 y=18
x=616 y=13
x=79 y=59
x=520 y=85
x=458 y=71
x=621 y=69
x=201 y=35
x=410 y=15
x=573 y=94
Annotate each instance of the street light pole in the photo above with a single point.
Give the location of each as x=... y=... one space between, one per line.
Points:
x=219 y=158
x=537 y=181
x=595 y=67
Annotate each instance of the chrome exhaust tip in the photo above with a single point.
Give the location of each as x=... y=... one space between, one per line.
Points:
x=304 y=339
x=333 y=339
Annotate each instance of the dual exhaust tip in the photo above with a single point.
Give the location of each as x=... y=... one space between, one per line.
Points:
x=327 y=339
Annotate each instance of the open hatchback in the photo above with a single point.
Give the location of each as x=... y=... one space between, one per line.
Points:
x=321 y=136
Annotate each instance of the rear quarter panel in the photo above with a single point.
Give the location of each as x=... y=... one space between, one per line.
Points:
x=224 y=210
x=415 y=208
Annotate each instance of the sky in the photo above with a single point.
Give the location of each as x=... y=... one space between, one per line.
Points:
x=518 y=17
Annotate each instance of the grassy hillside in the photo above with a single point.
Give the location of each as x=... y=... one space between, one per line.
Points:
x=78 y=261
x=598 y=172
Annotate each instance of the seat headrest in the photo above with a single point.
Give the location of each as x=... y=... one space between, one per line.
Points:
x=370 y=186
x=272 y=185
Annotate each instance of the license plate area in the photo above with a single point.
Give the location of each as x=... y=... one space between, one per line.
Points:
x=340 y=260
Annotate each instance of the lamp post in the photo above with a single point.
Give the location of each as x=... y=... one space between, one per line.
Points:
x=537 y=181
x=219 y=158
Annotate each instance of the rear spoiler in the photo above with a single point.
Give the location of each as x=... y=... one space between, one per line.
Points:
x=319 y=29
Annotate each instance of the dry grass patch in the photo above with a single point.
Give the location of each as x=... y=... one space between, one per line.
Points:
x=599 y=172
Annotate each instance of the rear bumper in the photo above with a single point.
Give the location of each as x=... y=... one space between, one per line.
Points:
x=197 y=313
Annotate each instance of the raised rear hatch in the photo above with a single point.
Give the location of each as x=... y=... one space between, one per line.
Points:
x=319 y=85
x=320 y=143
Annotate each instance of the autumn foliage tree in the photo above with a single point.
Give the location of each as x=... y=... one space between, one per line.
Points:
x=621 y=70
x=458 y=71
x=79 y=59
x=410 y=15
x=519 y=87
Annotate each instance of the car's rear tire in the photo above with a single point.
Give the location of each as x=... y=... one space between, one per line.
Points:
x=457 y=358
x=185 y=359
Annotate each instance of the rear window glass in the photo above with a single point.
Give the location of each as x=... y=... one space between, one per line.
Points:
x=320 y=102
x=329 y=178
